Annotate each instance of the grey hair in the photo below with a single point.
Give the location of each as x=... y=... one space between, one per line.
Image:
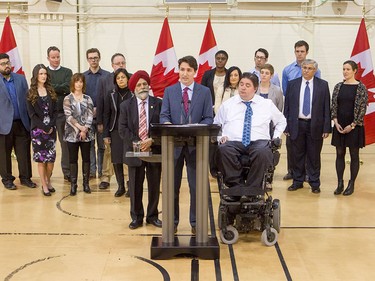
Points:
x=310 y=61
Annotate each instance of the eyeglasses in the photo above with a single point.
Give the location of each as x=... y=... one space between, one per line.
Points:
x=6 y=63
x=93 y=59
x=120 y=63
x=260 y=58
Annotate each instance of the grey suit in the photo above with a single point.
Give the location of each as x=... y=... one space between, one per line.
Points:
x=14 y=133
x=200 y=111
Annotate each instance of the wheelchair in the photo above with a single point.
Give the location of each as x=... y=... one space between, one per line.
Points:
x=255 y=209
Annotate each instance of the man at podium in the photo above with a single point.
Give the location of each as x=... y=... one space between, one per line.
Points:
x=186 y=102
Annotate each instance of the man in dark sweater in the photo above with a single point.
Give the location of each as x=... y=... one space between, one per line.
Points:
x=60 y=80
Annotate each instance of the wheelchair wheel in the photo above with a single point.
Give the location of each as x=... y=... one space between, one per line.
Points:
x=230 y=236
x=269 y=240
x=276 y=215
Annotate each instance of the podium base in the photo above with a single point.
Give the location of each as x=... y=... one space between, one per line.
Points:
x=185 y=246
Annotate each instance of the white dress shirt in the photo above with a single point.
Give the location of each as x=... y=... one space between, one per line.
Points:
x=302 y=95
x=139 y=102
x=231 y=117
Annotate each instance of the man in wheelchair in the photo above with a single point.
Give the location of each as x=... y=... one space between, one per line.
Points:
x=245 y=133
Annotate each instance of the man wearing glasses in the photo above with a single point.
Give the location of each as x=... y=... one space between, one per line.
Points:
x=260 y=59
x=92 y=75
x=307 y=111
x=290 y=72
x=105 y=86
x=14 y=126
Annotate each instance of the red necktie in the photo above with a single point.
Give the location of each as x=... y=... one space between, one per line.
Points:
x=185 y=98
x=142 y=122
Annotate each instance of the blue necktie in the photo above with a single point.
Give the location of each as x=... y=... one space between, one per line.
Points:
x=306 y=100
x=246 y=134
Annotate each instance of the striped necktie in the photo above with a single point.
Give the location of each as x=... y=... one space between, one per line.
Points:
x=142 y=122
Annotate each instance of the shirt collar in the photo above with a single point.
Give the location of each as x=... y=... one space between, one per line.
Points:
x=57 y=68
x=191 y=86
x=139 y=101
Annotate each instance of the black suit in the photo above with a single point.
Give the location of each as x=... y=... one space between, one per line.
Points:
x=128 y=130
x=306 y=134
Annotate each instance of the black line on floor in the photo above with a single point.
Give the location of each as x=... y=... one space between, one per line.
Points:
x=194 y=270
x=283 y=263
x=11 y=275
x=233 y=262
x=162 y=270
x=213 y=234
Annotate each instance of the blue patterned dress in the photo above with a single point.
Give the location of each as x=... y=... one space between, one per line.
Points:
x=44 y=144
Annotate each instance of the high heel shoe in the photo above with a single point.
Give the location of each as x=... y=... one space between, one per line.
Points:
x=46 y=193
x=51 y=189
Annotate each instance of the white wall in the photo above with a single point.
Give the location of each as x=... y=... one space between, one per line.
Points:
x=133 y=28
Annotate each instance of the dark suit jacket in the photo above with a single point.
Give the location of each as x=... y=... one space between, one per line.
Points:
x=320 y=111
x=128 y=126
x=208 y=81
x=6 y=106
x=105 y=86
x=200 y=109
x=112 y=111
x=36 y=114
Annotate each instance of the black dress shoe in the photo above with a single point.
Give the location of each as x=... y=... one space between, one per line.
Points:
x=288 y=176
x=175 y=229
x=10 y=185
x=155 y=222
x=294 y=187
x=28 y=183
x=46 y=193
x=103 y=185
x=127 y=193
x=135 y=224
x=315 y=190
x=67 y=178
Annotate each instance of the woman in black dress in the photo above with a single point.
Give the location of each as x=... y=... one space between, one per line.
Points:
x=349 y=101
x=41 y=106
x=110 y=117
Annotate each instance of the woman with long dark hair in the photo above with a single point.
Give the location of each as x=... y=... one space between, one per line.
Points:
x=349 y=101
x=41 y=106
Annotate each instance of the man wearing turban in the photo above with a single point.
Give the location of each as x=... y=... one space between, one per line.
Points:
x=136 y=115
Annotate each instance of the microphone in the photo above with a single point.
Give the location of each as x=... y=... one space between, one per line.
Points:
x=189 y=102
x=182 y=112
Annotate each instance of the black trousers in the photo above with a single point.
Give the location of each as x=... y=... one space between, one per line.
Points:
x=73 y=148
x=19 y=139
x=306 y=155
x=152 y=171
x=230 y=166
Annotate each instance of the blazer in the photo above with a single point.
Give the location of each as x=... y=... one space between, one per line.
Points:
x=276 y=95
x=208 y=81
x=112 y=111
x=105 y=86
x=320 y=110
x=128 y=126
x=200 y=109
x=36 y=114
x=6 y=106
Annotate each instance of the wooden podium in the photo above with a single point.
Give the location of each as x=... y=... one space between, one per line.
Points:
x=169 y=245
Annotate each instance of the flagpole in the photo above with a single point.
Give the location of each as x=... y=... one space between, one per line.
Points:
x=167 y=12
x=8 y=9
x=209 y=11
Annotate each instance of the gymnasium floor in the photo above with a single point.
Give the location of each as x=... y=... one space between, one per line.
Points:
x=86 y=237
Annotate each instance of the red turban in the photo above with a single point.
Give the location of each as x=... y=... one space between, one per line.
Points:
x=135 y=78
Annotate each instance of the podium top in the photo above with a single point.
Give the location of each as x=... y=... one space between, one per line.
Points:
x=185 y=130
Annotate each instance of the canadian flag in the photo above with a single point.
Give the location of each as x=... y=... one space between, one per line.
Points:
x=206 y=60
x=8 y=45
x=361 y=54
x=165 y=66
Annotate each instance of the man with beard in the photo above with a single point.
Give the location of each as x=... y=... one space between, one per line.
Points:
x=136 y=115
x=14 y=126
